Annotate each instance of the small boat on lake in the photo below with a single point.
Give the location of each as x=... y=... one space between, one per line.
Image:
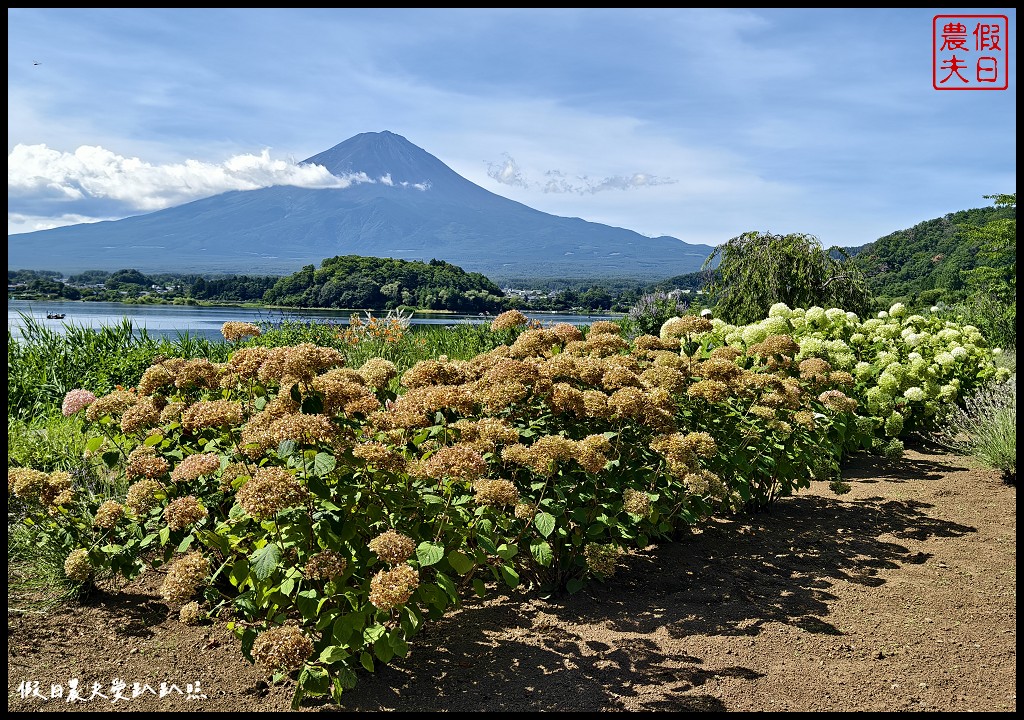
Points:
x=55 y=316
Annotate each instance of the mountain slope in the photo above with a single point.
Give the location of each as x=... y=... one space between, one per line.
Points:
x=414 y=207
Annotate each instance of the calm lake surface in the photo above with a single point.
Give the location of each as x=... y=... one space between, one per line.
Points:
x=174 y=320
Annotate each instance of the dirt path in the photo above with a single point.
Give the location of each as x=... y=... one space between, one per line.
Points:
x=900 y=595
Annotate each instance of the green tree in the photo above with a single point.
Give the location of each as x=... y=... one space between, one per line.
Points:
x=757 y=270
x=991 y=303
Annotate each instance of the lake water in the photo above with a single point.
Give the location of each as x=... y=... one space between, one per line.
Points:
x=174 y=320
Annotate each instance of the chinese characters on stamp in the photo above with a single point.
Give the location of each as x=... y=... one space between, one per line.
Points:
x=970 y=52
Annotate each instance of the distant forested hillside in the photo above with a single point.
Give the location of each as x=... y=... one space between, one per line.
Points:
x=933 y=260
x=353 y=281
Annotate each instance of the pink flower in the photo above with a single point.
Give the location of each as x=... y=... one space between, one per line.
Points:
x=76 y=400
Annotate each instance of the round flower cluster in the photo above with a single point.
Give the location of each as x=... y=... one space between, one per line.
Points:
x=183 y=512
x=108 y=513
x=112 y=404
x=235 y=331
x=380 y=456
x=525 y=511
x=282 y=648
x=391 y=588
x=837 y=401
x=141 y=497
x=636 y=502
x=141 y=416
x=247 y=361
x=393 y=547
x=154 y=378
x=566 y=332
x=378 y=372
x=211 y=414
x=191 y=613
x=196 y=465
x=304 y=429
x=143 y=462
x=184 y=577
x=605 y=326
x=34 y=485
x=508 y=320
x=677 y=327
x=460 y=461
x=325 y=565
x=77 y=565
x=602 y=559
x=270 y=490
x=495 y=493
x=76 y=400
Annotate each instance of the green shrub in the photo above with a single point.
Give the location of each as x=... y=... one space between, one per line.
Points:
x=985 y=427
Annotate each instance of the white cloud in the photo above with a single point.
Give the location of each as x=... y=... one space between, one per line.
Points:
x=22 y=223
x=92 y=172
x=508 y=172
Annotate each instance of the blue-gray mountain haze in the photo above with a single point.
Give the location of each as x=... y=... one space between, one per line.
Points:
x=425 y=211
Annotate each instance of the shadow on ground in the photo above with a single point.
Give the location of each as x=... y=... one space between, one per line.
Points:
x=732 y=579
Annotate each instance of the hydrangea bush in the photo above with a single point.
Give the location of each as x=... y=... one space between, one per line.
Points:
x=327 y=512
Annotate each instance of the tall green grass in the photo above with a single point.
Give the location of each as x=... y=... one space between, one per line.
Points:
x=43 y=364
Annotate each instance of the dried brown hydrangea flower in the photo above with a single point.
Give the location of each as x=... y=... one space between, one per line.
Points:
x=282 y=648
x=141 y=496
x=495 y=493
x=393 y=547
x=325 y=565
x=108 y=514
x=77 y=565
x=391 y=588
x=636 y=502
x=183 y=512
x=184 y=577
x=191 y=613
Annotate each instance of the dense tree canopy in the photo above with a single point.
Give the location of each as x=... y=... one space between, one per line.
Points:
x=353 y=281
x=756 y=270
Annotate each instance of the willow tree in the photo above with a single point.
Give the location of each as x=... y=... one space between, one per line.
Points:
x=756 y=270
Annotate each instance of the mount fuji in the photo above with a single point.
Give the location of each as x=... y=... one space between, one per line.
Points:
x=410 y=206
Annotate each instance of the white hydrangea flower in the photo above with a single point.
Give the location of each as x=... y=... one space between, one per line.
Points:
x=898 y=310
x=958 y=352
x=935 y=308
x=882 y=314
x=811 y=347
x=945 y=358
x=836 y=315
x=858 y=339
x=777 y=326
x=753 y=334
x=780 y=309
x=816 y=315
x=863 y=370
x=914 y=394
x=997 y=351
x=852 y=318
x=888 y=383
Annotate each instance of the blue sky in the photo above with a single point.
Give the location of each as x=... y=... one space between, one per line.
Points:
x=696 y=123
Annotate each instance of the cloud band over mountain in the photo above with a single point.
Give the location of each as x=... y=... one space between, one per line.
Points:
x=38 y=175
x=508 y=172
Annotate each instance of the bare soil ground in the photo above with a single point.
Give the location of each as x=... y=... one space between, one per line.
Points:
x=898 y=596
